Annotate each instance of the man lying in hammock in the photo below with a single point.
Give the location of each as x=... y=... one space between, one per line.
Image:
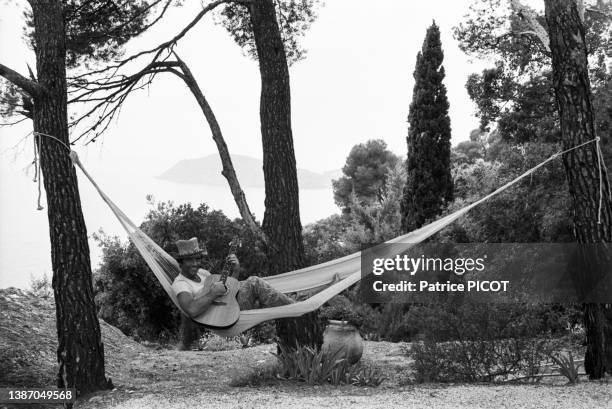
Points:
x=195 y=297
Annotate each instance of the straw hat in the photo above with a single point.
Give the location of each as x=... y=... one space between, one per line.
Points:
x=189 y=248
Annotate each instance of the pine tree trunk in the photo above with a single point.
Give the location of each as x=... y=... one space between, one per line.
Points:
x=281 y=222
x=80 y=351
x=573 y=93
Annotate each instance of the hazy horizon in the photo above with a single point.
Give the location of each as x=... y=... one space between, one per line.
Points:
x=355 y=84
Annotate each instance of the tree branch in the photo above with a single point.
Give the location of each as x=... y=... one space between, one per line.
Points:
x=132 y=19
x=161 y=47
x=109 y=94
x=113 y=93
x=228 y=168
x=107 y=90
x=581 y=9
x=31 y=87
x=601 y=13
x=528 y=16
x=15 y=122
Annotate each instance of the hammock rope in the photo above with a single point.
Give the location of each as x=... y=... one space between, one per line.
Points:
x=37 y=173
x=348 y=268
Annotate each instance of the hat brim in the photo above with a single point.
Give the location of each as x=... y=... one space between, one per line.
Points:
x=199 y=253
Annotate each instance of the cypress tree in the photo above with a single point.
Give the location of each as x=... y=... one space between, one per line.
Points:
x=429 y=184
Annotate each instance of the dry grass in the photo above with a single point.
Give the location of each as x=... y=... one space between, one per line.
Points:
x=28 y=341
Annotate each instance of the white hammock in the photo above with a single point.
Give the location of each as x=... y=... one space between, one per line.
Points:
x=348 y=268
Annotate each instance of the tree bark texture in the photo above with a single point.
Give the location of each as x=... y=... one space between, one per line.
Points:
x=573 y=93
x=80 y=351
x=281 y=222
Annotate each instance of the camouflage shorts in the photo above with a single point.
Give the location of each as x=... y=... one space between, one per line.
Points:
x=257 y=293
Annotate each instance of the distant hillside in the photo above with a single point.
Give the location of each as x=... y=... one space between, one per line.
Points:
x=207 y=171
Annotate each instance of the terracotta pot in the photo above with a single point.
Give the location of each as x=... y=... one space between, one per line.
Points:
x=343 y=338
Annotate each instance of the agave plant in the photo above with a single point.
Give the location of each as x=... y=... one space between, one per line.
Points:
x=367 y=376
x=567 y=366
x=307 y=365
x=315 y=367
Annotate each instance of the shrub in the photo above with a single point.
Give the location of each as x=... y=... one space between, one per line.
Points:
x=370 y=321
x=129 y=296
x=340 y=308
x=483 y=342
x=534 y=210
x=323 y=239
x=41 y=287
x=453 y=320
x=362 y=316
x=478 y=360
x=393 y=324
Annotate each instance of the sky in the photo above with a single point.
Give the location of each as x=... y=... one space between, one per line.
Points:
x=354 y=85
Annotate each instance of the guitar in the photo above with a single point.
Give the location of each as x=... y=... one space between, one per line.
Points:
x=224 y=311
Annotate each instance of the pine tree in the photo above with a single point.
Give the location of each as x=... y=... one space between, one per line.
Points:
x=64 y=34
x=592 y=218
x=429 y=184
x=264 y=27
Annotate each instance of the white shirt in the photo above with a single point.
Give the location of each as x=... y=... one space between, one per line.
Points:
x=182 y=284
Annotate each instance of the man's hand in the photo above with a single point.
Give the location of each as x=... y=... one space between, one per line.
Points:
x=217 y=289
x=197 y=303
x=233 y=260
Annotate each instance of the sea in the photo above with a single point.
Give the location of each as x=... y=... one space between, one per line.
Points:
x=24 y=233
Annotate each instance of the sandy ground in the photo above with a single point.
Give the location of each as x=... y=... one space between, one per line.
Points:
x=425 y=397
x=149 y=377
x=196 y=379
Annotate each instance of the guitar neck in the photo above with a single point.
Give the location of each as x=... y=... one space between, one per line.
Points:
x=227 y=267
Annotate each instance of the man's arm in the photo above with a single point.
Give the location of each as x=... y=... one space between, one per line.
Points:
x=196 y=304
